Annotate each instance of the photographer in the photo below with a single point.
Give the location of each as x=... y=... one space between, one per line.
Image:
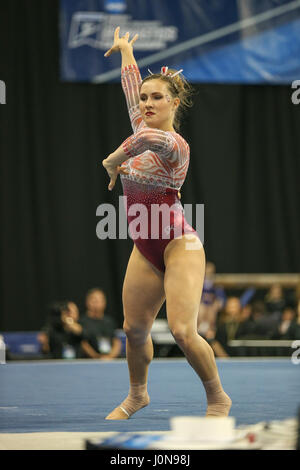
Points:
x=62 y=336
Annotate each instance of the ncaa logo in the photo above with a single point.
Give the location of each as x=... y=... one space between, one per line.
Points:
x=115 y=6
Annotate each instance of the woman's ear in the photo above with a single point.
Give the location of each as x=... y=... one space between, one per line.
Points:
x=176 y=102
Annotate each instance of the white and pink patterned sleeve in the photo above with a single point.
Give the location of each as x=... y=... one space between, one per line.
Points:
x=166 y=145
x=131 y=81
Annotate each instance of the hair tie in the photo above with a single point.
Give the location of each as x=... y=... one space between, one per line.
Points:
x=176 y=73
x=164 y=71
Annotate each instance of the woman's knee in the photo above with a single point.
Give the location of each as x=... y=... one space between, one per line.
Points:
x=183 y=334
x=136 y=334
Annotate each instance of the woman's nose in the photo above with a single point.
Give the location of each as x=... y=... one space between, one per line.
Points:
x=148 y=102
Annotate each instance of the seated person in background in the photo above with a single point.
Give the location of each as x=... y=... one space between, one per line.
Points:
x=268 y=313
x=235 y=322
x=263 y=324
x=281 y=329
x=275 y=301
x=293 y=296
x=212 y=300
x=293 y=331
x=62 y=335
x=296 y=294
x=99 y=341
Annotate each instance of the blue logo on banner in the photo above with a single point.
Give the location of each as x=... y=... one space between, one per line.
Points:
x=86 y=29
x=115 y=6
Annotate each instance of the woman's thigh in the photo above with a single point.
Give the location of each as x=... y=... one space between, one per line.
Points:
x=183 y=282
x=143 y=292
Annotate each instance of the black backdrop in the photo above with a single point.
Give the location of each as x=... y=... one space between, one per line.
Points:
x=245 y=167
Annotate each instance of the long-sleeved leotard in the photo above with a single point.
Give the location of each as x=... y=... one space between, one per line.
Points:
x=157 y=166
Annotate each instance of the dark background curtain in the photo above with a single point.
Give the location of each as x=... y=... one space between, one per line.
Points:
x=245 y=167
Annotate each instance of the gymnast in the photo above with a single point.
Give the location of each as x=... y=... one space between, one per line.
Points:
x=152 y=164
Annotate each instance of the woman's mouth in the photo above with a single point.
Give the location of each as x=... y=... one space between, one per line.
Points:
x=149 y=113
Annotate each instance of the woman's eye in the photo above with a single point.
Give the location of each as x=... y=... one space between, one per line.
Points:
x=156 y=97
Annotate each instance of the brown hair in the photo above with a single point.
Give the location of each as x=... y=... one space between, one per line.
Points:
x=179 y=88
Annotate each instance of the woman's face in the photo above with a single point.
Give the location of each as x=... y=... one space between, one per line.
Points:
x=157 y=105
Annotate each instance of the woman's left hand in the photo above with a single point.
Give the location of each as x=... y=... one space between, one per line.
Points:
x=113 y=172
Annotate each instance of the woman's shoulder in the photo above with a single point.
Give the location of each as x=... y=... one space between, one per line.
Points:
x=180 y=139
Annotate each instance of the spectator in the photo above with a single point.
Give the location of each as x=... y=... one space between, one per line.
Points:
x=271 y=312
x=100 y=341
x=258 y=310
x=247 y=321
x=264 y=324
x=281 y=330
x=275 y=300
x=293 y=331
x=234 y=323
x=297 y=293
x=294 y=296
x=212 y=300
x=62 y=335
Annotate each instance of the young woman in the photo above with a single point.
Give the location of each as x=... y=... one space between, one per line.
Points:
x=153 y=163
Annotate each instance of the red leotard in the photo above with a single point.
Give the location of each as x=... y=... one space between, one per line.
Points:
x=157 y=167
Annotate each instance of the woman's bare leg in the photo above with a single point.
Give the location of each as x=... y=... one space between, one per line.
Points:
x=143 y=296
x=183 y=283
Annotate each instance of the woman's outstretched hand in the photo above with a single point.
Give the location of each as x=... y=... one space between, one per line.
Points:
x=120 y=43
x=113 y=172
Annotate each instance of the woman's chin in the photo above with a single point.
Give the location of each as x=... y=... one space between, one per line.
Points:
x=152 y=123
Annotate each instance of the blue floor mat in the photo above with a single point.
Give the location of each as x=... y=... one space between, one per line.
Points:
x=76 y=396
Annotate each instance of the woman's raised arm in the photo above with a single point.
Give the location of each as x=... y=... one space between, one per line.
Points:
x=130 y=75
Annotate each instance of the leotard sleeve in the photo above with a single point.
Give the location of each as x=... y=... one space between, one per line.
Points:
x=131 y=81
x=167 y=145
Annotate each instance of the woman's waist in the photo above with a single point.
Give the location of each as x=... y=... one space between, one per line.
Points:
x=148 y=194
x=161 y=179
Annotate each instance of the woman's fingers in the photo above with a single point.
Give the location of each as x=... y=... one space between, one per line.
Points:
x=114 y=175
x=107 y=53
x=112 y=182
x=117 y=39
x=134 y=39
x=111 y=51
x=122 y=170
x=116 y=33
